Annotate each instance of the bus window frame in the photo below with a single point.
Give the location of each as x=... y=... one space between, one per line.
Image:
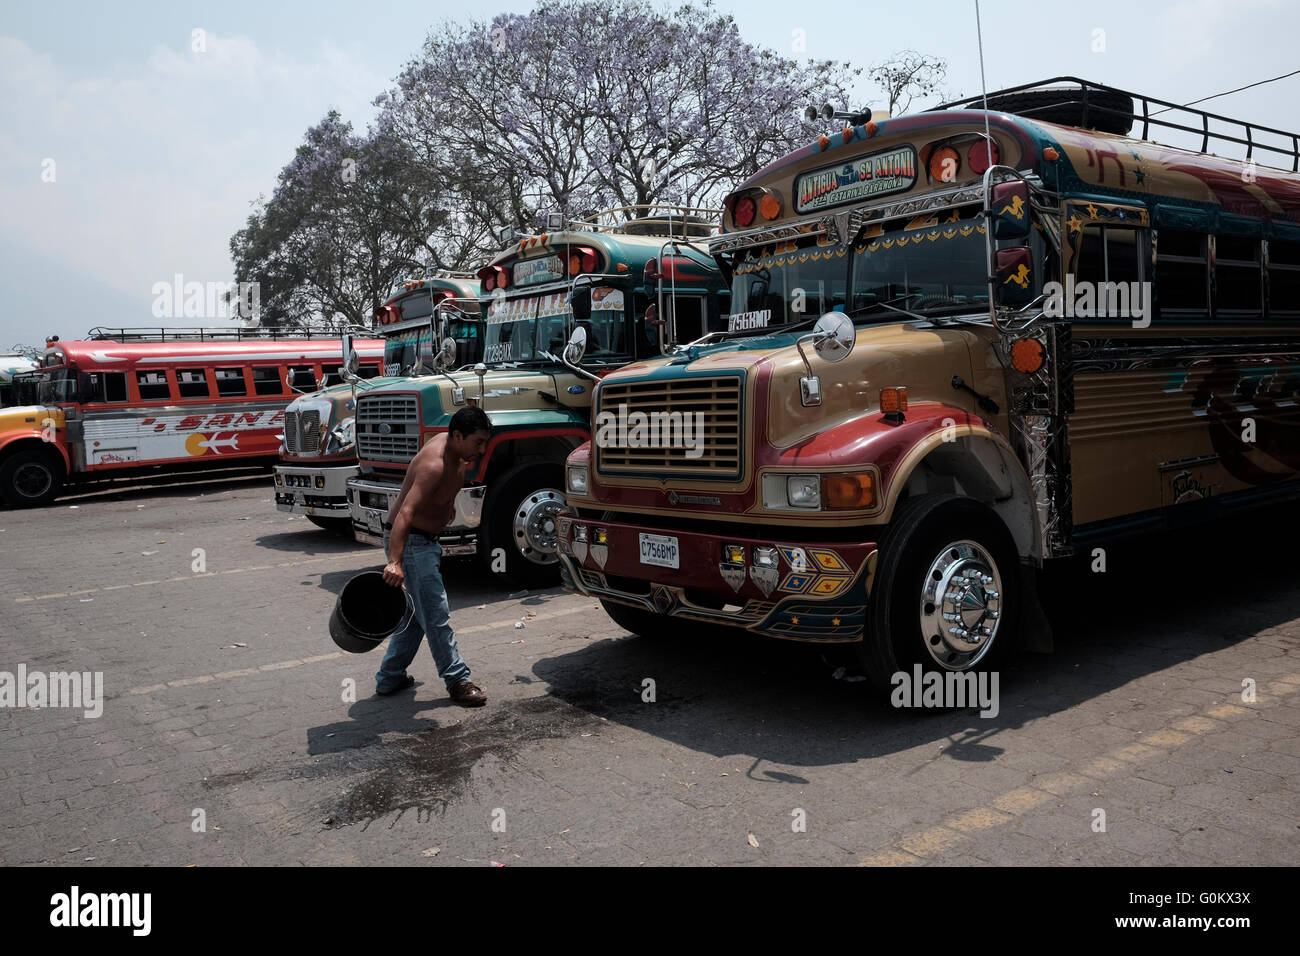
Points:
x=276 y=377
x=243 y=376
x=133 y=383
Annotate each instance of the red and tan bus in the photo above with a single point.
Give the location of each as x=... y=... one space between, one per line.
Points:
x=109 y=405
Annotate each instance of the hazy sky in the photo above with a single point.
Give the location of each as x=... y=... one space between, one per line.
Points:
x=158 y=150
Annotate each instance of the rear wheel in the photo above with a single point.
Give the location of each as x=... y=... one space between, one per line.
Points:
x=333 y=525
x=519 y=517
x=31 y=477
x=946 y=593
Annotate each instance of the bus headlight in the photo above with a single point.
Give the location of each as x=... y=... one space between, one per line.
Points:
x=803 y=491
x=576 y=479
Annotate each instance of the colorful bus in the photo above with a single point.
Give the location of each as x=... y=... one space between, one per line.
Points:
x=319 y=452
x=178 y=398
x=622 y=264
x=895 y=441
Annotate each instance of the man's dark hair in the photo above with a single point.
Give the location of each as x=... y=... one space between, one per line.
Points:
x=469 y=420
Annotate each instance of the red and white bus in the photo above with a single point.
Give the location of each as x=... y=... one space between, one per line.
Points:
x=110 y=405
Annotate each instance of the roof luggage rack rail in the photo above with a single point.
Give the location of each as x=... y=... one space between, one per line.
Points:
x=1087 y=98
x=209 y=334
x=652 y=219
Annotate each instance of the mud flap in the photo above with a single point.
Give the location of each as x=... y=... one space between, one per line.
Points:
x=1035 y=629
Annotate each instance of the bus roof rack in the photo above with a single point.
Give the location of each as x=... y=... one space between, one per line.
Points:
x=652 y=219
x=206 y=334
x=1098 y=103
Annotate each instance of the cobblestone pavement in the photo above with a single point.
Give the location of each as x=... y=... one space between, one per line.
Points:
x=226 y=704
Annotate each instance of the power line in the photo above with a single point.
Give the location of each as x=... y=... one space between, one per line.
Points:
x=1227 y=92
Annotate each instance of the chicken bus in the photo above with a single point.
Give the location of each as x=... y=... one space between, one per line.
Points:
x=964 y=343
x=319 y=452
x=623 y=267
x=122 y=401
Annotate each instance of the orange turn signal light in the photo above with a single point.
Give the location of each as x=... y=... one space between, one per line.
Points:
x=893 y=400
x=849 y=491
x=769 y=206
x=1027 y=356
x=944 y=163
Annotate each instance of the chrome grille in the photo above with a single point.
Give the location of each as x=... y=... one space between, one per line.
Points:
x=302 y=432
x=388 y=427
x=717 y=434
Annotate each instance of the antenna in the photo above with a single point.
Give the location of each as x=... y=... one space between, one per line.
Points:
x=984 y=87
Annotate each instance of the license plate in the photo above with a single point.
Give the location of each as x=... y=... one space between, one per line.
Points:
x=659 y=550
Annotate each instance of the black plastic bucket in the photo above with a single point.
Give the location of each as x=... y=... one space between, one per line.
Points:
x=367 y=611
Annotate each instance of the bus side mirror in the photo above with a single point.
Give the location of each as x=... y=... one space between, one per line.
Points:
x=354 y=361
x=1011 y=210
x=580 y=305
x=426 y=356
x=1013 y=284
x=347 y=347
x=446 y=357
x=577 y=347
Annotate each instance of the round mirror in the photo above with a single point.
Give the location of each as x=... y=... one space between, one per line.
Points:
x=577 y=347
x=447 y=353
x=835 y=336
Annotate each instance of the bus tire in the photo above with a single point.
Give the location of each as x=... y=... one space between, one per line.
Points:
x=334 y=525
x=942 y=554
x=31 y=477
x=519 y=519
x=638 y=620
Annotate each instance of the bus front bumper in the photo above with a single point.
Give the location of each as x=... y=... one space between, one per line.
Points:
x=797 y=590
x=320 y=491
x=370 y=501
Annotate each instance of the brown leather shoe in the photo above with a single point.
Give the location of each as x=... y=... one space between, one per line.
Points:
x=468 y=695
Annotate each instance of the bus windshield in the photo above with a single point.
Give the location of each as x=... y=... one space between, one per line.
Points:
x=521 y=329
x=772 y=289
x=933 y=263
x=55 y=386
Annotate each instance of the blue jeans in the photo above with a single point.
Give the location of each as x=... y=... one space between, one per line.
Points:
x=432 y=617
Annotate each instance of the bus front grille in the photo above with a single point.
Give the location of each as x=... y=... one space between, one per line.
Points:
x=692 y=427
x=388 y=427
x=302 y=432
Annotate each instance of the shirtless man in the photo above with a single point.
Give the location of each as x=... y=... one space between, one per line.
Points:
x=424 y=507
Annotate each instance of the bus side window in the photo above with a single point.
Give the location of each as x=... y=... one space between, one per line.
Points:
x=332 y=374
x=230 y=382
x=105 y=387
x=303 y=377
x=368 y=371
x=688 y=317
x=266 y=380
x=1182 y=272
x=1283 y=278
x=193 y=382
x=1238 y=277
x=152 y=385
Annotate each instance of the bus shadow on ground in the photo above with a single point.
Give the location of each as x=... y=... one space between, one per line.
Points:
x=164 y=485
x=1163 y=600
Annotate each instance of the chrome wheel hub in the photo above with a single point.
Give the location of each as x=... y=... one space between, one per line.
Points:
x=535 y=525
x=961 y=605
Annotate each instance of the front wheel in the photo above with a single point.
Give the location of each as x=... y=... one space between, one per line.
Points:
x=946 y=593
x=519 y=518
x=333 y=525
x=31 y=478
